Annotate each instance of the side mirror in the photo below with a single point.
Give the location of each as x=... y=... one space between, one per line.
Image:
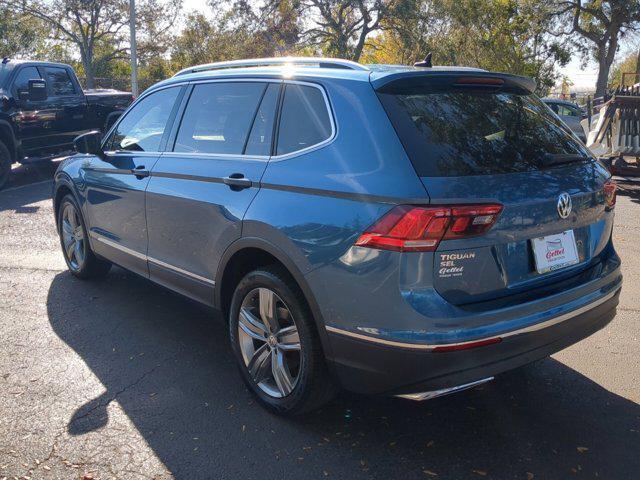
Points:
x=88 y=143
x=37 y=90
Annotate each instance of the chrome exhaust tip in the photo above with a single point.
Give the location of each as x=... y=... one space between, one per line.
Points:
x=419 y=397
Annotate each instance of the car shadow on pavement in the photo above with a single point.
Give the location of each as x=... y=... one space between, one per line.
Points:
x=167 y=363
x=19 y=199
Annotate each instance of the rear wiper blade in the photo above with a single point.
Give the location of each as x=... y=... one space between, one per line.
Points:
x=560 y=158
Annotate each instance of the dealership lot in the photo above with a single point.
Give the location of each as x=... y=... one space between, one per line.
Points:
x=122 y=379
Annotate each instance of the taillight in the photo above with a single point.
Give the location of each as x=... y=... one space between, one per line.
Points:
x=610 y=192
x=412 y=228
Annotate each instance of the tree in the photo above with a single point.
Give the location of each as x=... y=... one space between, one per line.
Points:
x=16 y=34
x=601 y=24
x=342 y=27
x=99 y=28
x=504 y=35
x=628 y=64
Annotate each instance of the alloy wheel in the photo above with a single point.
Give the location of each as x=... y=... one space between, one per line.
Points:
x=73 y=237
x=269 y=342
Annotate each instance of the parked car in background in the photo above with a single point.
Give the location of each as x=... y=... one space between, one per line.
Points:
x=43 y=108
x=569 y=113
x=389 y=230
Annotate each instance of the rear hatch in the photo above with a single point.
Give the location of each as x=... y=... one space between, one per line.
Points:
x=481 y=138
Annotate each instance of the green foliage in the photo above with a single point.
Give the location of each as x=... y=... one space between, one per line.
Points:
x=504 y=35
x=628 y=64
x=17 y=34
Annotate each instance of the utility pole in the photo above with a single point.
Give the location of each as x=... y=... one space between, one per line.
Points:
x=134 y=54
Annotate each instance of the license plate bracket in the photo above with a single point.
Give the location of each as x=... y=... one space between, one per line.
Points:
x=553 y=252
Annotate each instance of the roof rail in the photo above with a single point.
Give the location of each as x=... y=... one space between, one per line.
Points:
x=263 y=62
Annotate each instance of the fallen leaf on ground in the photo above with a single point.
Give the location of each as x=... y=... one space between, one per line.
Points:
x=430 y=473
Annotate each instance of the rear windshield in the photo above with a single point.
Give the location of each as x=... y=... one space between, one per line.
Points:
x=458 y=133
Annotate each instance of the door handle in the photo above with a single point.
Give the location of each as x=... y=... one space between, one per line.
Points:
x=237 y=181
x=140 y=172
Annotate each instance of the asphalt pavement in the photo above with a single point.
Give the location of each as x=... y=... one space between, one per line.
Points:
x=120 y=378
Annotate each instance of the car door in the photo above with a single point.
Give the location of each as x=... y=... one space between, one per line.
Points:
x=202 y=186
x=115 y=183
x=32 y=119
x=67 y=101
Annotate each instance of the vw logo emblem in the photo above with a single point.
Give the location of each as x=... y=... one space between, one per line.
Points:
x=564 y=205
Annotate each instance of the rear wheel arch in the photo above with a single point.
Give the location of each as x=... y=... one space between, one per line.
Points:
x=248 y=254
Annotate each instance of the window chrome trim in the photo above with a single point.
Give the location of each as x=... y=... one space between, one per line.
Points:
x=130 y=153
x=428 y=347
x=324 y=143
x=101 y=238
x=220 y=156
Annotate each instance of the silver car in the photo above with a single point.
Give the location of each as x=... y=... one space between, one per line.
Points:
x=570 y=113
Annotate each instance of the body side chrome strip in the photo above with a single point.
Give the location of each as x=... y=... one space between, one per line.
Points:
x=141 y=256
x=180 y=270
x=117 y=246
x=428 y=347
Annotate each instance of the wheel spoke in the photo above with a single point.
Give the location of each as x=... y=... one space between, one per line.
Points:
x=70 y=248
x=260 y=363
x=78 y=252
x=288 y=339
x=268 y=312
x=71 y=216
x=67 y=228
x=252 y=326
x=281 y=373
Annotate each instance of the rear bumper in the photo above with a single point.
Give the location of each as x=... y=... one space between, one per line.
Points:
x=367 y=365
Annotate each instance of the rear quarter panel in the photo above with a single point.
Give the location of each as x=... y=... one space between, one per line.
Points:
x=313 y=206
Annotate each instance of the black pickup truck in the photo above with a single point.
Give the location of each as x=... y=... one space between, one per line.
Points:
x=43 y=108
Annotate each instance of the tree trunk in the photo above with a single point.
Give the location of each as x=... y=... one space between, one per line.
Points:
x=87 y=65
x=603 y=74
x=637 y=78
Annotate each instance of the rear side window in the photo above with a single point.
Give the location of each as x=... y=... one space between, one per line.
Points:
x=143 y=126
x=304 y=121
x=218 y=118
x=458 y=133
x=21 y=82
x=59 y=82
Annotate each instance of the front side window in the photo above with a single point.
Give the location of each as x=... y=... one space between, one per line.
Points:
x=59 y=82
x=143 y=126
x=21 y=83
x=304 y=121
x=566 y=111
x=218 y=118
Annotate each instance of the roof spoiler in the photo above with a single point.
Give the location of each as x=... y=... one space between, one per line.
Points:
x=447 y=79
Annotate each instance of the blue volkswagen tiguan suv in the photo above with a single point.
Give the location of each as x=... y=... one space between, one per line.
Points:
x=391 y=230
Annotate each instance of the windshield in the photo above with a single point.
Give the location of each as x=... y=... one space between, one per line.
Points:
x=457 y=133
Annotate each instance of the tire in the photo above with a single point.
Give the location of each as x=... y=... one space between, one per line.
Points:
x=74 y=241
x=5 y=165
x=305 y=384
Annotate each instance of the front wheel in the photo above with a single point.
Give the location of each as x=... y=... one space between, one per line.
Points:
x=75 y=242
x=276 y=345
